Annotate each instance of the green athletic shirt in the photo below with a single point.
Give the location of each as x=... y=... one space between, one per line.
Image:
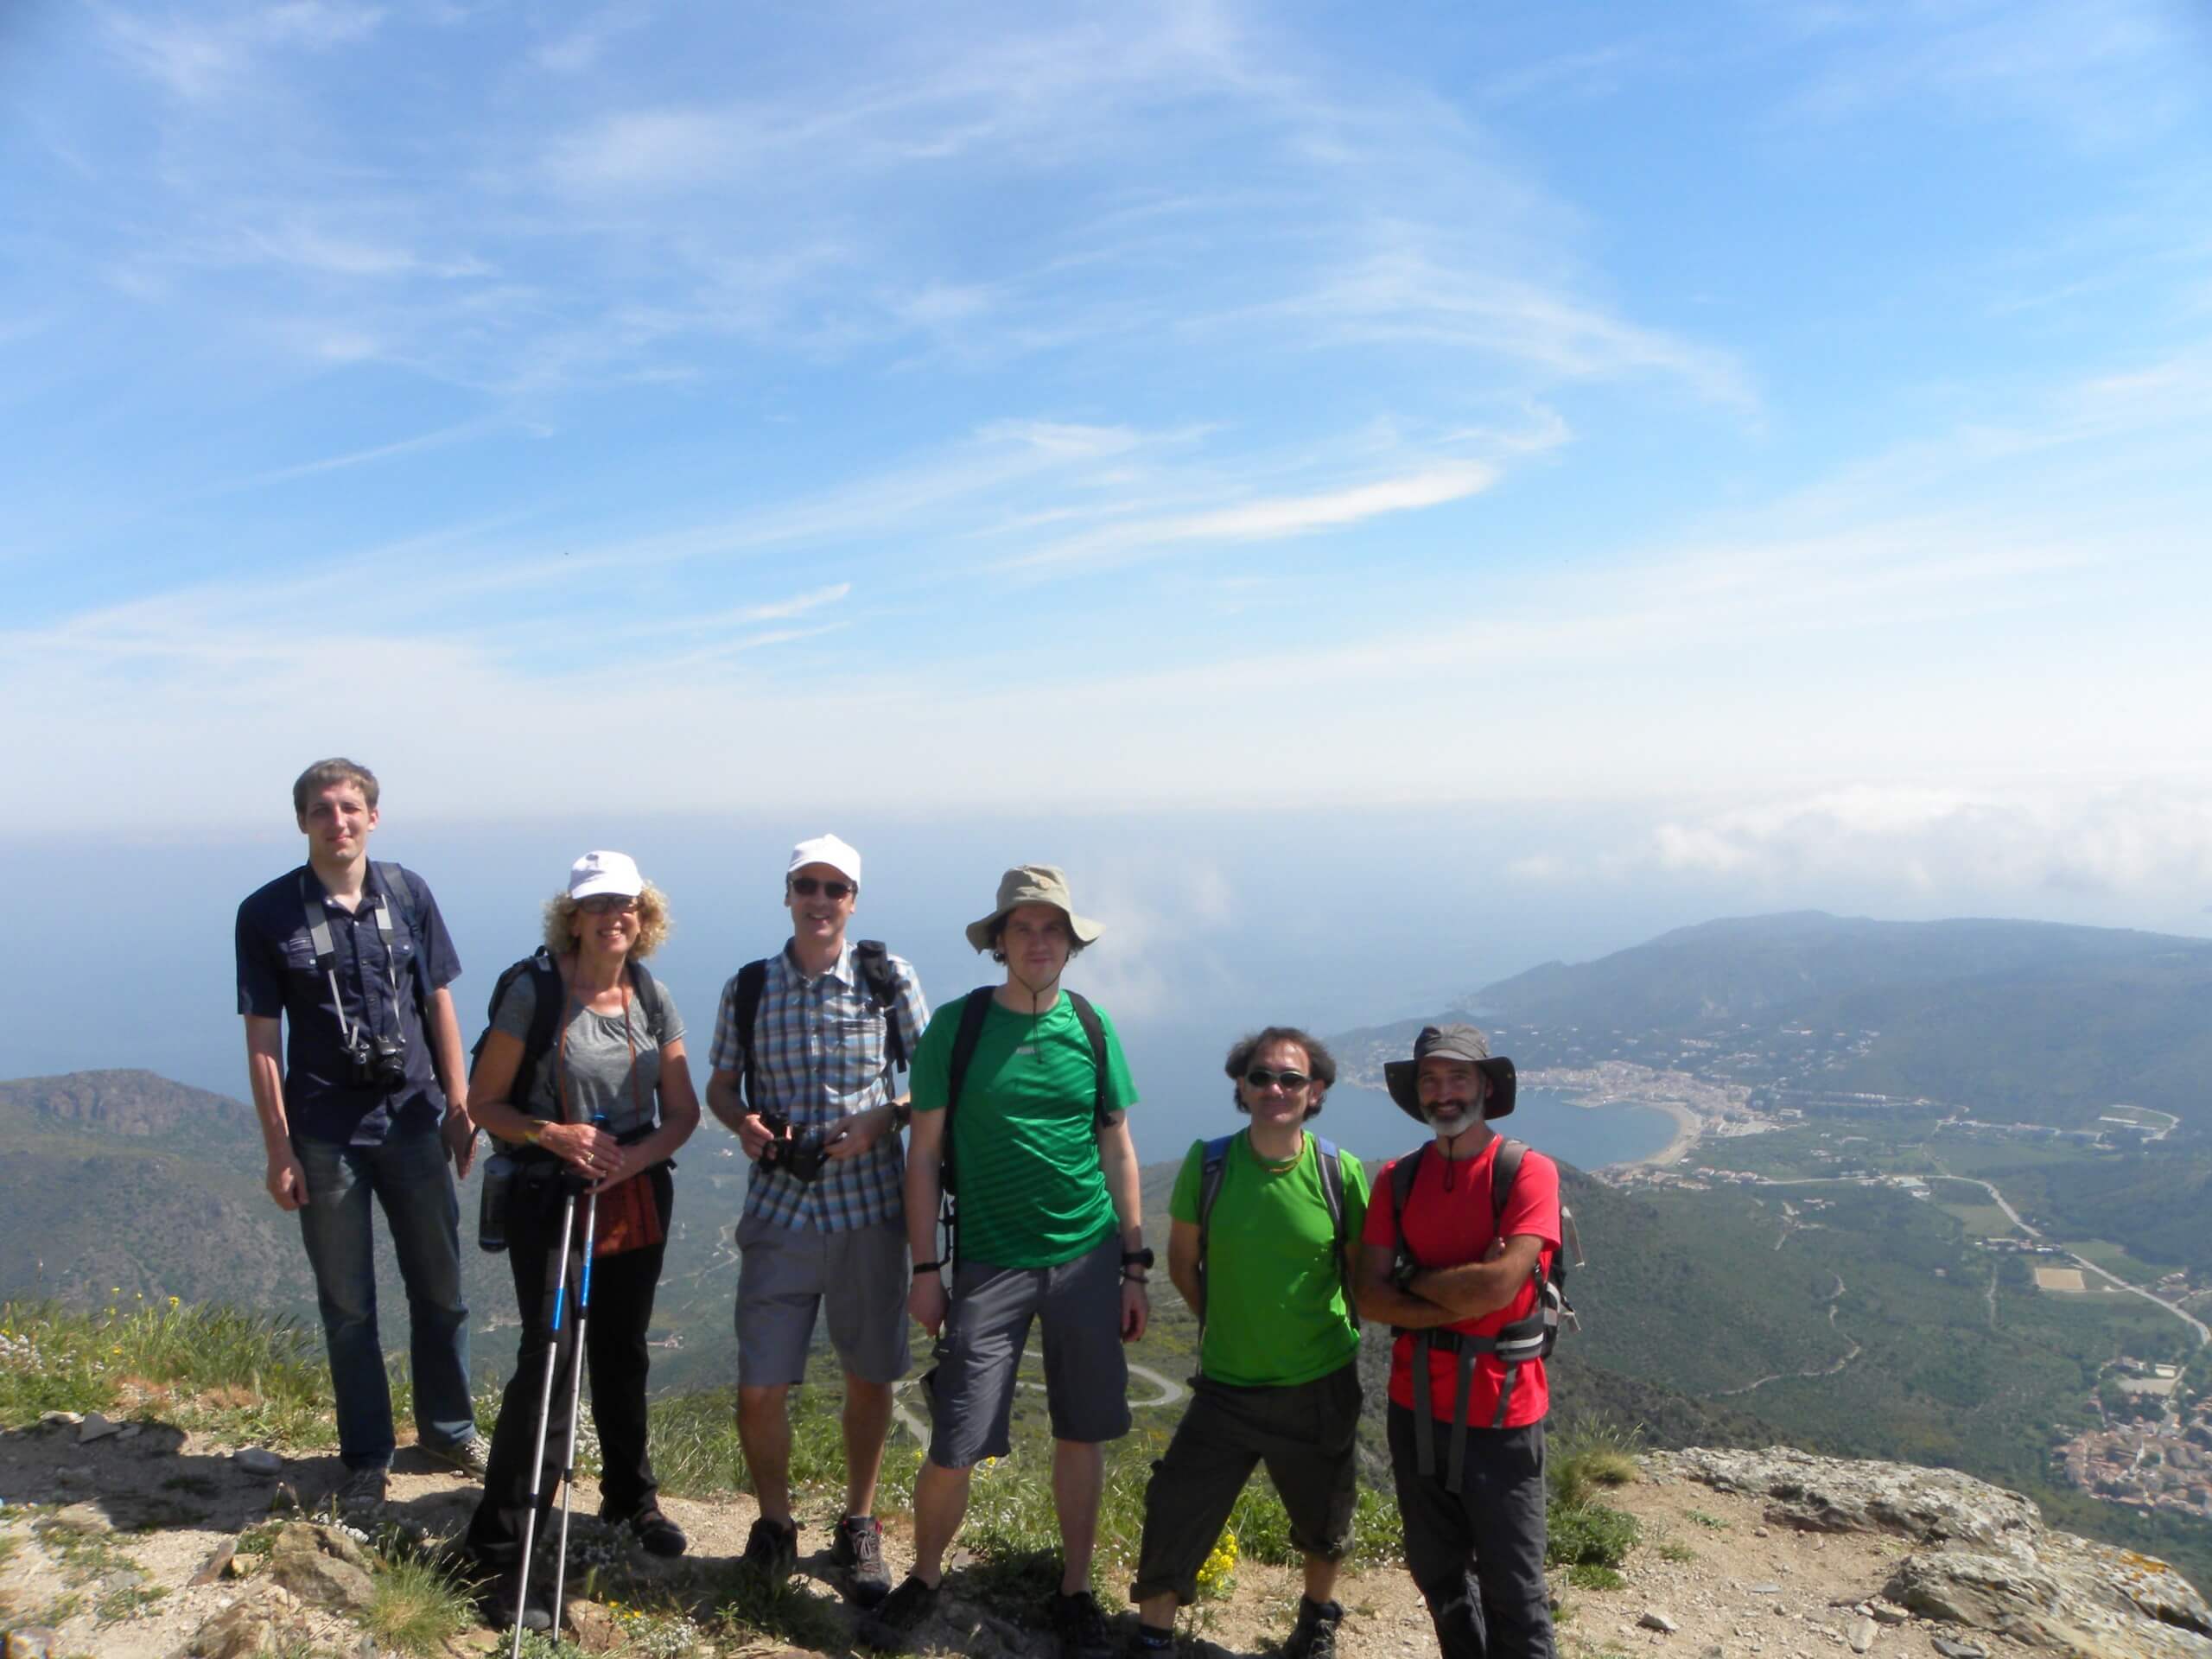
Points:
x=1025 y=1136
x=1275 y=1312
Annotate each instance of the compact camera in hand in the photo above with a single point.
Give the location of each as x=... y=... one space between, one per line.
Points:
x=800 y=1160
x=375 y=1062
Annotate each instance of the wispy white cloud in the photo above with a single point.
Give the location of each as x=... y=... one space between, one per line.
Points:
x=2100 y=74
x=1267 y=519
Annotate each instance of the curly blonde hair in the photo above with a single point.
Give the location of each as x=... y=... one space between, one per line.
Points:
x=653 y=922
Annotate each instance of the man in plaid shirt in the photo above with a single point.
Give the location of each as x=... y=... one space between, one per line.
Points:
x=824 y=1224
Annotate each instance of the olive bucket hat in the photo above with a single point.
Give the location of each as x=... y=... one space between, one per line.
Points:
x=1032 y=884
x=1450 y=1043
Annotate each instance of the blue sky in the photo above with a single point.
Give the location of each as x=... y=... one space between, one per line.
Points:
x=1761 y=448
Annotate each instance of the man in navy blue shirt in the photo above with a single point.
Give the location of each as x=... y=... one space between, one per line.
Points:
x=365 y=1094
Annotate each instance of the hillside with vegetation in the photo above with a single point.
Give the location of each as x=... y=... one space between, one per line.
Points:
x=2022 y=1020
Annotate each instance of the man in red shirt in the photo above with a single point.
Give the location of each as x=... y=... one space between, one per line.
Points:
x=1462 y=1286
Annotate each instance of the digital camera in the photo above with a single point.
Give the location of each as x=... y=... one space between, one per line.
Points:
x=375 y=1062
x=802 y=1160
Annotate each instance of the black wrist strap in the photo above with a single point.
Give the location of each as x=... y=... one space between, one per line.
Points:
x=921 y=1267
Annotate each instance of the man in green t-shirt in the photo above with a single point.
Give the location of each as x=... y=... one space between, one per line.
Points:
x=1049 y=1228
x=1265 y=1269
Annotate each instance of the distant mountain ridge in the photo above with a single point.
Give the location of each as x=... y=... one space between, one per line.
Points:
x=123 y=1101
x=2021 y=1019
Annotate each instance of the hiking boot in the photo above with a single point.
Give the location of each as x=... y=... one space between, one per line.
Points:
x=361 y=1492
x=503 y=1604
x=890 y=1627
x=857 y=1548
x=772 y=1548
x=471 y=1457
x=1080 y=1628
x=656 y=1535
x=1314 y=1635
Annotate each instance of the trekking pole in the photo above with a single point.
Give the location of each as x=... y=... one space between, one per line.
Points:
x=575 y=1399
x=544 y=1407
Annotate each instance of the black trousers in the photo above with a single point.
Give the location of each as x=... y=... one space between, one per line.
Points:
x=615 y=1352
x=1477 y=1554
x=1304 y=1433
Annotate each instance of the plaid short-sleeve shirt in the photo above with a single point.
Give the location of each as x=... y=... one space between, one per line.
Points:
x=819 y=1054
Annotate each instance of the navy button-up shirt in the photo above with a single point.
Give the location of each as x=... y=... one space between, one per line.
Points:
x=278 y=975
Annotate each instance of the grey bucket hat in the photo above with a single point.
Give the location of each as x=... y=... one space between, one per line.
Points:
x=1032 y=884
x=1450 y=1043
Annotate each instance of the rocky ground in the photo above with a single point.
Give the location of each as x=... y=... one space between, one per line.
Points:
x=147 y=1542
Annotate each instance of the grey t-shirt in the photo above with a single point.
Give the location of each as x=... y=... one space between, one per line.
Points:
x=593 y=1064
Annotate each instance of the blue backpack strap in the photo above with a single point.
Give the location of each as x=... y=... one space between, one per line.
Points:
x=1330 y=1163
x=1212 y=1166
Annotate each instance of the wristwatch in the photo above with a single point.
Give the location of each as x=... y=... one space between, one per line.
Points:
x=1137 y=1259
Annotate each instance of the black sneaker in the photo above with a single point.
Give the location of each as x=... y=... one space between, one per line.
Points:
x=772 y=1548
x=656 y=1535
x=857 y=1548
x=1080 y=1628
x=504 y=1606
x=1314 y=1635
x=890 y=1627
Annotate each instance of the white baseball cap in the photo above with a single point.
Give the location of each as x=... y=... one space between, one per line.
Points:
x=603 y=872
x=826 y=850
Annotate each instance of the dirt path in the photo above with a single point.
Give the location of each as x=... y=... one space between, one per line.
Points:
x=160 y=1503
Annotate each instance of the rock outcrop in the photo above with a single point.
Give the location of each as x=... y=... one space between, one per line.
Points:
x=1984 y=1560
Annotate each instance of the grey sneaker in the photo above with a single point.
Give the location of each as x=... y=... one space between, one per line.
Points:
x=1314 y=1635
x=1080 y=1628
x=890 y=1627
x=772 y=1548
x=471 y=1457
x=360 y=1492
x=857 y=1551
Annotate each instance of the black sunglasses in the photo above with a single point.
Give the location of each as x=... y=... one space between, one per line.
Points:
x=806 y=886
x=1259 y=1077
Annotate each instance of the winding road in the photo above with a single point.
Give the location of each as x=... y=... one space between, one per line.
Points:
x=2203 y=1331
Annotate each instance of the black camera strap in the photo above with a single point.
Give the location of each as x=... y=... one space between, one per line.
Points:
x=326 y=952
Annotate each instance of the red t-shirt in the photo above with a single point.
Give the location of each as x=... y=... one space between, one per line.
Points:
x=1447 y=1229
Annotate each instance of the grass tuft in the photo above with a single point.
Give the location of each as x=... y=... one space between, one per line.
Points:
x=416 y=1607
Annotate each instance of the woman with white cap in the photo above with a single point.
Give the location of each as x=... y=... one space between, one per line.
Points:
x=583 y=1074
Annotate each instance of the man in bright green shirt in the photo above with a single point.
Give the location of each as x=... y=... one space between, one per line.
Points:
x=1049 y=1228
x=1265 y=1267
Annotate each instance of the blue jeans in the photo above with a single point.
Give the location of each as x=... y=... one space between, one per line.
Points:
x=409 y=1176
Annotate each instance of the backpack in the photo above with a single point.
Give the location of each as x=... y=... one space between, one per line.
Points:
x=1533 y=1336
x=974 y=1011
x=871 y=961
x=551 y=999
x=1214 y=1167
x=1530 y=1338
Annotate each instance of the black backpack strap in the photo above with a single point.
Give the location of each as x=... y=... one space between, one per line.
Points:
x=547 y=997
x=751 y=982
x=1503 y=1168
x=1094 y=1030
x=1403 y=1173
x=975 y=1008
x=401 y=896
x=873 y=963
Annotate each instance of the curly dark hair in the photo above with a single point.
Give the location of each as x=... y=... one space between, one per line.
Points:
x=1320 y=1064
x=1076 y=946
